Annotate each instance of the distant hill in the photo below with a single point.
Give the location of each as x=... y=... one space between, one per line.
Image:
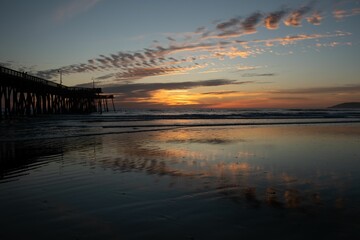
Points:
x=347 y=105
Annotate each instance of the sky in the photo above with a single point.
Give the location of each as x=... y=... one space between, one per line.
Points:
x=191 y=53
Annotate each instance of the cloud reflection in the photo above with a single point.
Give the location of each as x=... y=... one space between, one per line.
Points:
x=235 y=165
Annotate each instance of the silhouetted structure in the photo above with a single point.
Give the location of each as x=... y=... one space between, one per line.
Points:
x=23 y=94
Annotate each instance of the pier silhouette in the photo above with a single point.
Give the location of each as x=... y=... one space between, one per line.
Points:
x=22 y=94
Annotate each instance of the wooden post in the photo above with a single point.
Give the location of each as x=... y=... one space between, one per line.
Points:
x=22 y=103
x=14 y=102
x=7 y=101
x=44 y=103
x=112 y=100
x=28 y=103
x=1 y=94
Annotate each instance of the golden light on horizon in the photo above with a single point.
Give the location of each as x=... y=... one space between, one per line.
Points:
x=174 y=97
x=232 y=99
x=183 y=97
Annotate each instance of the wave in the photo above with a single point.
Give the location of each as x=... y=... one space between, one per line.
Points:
x=135 y=121
x=152 y=114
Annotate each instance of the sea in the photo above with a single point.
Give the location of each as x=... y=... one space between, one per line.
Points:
x=182 y=174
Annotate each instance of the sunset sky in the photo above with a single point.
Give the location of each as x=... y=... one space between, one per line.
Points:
x=191 y=53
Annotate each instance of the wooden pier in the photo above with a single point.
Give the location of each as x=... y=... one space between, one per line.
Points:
x=26 y=95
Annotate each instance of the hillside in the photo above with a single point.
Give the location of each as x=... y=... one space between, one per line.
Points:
x=347 y=105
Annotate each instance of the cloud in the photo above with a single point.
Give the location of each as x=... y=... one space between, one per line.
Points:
x=354 y=88
x=138 y=73
x=129 y=65
x=19 y=67
x=171 y=39
x=165 y=94
x=333 y=44
x=200 y=30
x=246 y=68
x=237 y=26
x=250 y=23
x=220 y=93
x=226 y=34
x=355 y=11
x=295 y=17
x=288 y=98
x=317 y=96
x=315 y=18
x=141 y=88
x=272 y=20
x=7 y=64
x=233 y=52
x=185 y=47
x=234 y=27
x=74 y=8
x=339 y=14
x=258 y=75
x=107 y=76
x=229 y=24
x=294 y=38
x=202 y=45
x=158 y=61
x=149 y=62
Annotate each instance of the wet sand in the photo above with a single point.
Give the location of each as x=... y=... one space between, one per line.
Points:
x=225 y=182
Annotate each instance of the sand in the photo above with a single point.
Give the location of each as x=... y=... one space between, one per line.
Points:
x=251 y=182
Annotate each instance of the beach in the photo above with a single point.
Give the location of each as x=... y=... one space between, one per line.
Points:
x=180 y=120
x=86 y=178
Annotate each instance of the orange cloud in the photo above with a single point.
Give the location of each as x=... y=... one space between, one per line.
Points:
x=233 y=52
x=272 y=20
x=206 y=44
x=184 y=97
x=294 y=38
x=295 y=17
x=315 y=19
x=172 y=98
x=339 y=14
x=244 y=68
x=234 y=99
x=237 y=98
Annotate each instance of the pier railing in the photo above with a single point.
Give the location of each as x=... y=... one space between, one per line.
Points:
x=25 y=76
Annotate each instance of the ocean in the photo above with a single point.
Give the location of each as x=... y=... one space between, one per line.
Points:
x=182 y=174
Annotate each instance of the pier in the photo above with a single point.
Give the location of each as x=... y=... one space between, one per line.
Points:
x=22 y=94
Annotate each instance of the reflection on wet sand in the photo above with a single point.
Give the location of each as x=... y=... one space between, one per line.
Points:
x=15 y=155
x=272 y=198
x=180 y=153
x=228 y=163
x=265 y=169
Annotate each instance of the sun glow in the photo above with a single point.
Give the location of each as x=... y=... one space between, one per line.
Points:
x=174 y=97
x=182 y=97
